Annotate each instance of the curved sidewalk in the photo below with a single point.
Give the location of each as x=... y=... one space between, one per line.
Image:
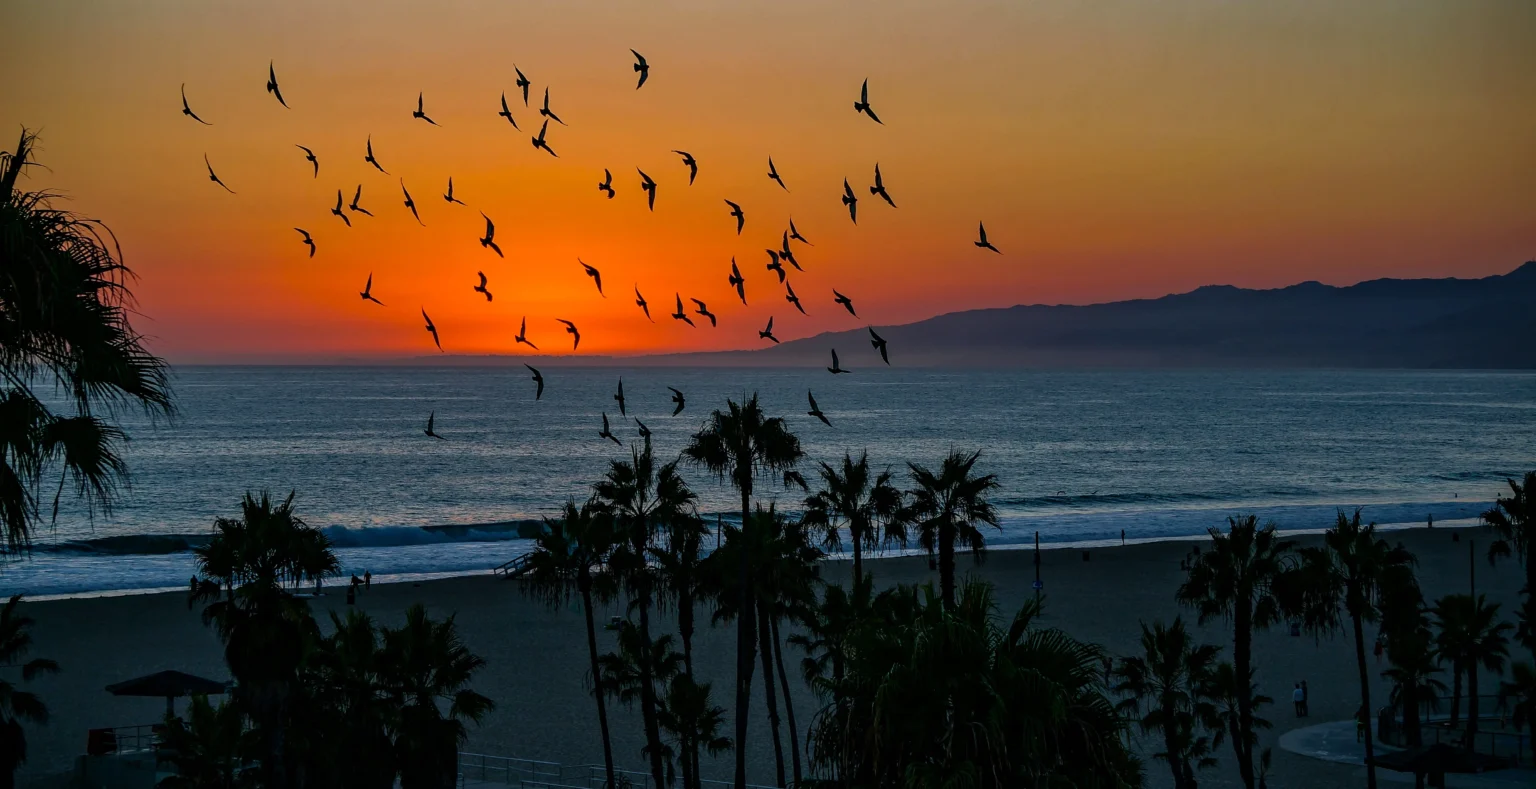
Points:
x=1335 y=742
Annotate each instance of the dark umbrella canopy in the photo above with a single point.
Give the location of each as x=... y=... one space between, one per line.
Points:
x=168 y=684
x=1438 y=758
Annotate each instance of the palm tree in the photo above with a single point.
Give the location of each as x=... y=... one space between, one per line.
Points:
x=429 y=667
x=786 y=578
x=1228 y=698
x=17 y=705
x=826 y=627
x=247 y=566
x=65 y=322
x=678 y=565
x=1411 y=656
x=1511 y=520
x=1519 y=695
x=736 y=445
x=946 y=508
x=694 y=724
x=208 y=749
x=568 y=556
x=1235 y=581
x=1471 y=639
x=1164 y=689
x=350 y=707
x=851 y=500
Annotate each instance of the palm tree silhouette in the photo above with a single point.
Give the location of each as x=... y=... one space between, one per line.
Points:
x=1471 y=638
x=851 y=500
x=429 y=668
x=1511 y=519
x=633 y=671
x=347 y=679
x=207 y=748
x=825 y=631
x=786 y=575
x=694 y=724
x=17 y=705
x=1226 y=696
x=678 y=564
x=1164 y=689
x=1412 y=671
x=946 y=507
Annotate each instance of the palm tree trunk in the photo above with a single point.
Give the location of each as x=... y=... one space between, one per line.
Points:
x=1471 y=703
x=858 y=554
x=1242 y=665
x=597 y=682
x=745 y=644
x=685 y=624
x=648 y=692
x=1365 y=702
x=765 y=649
x=789 y=703
x=947 y=564
x=1175 y=763
x=1411 y=713
x=1455 y=694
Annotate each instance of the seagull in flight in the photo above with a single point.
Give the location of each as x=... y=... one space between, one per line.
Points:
x=792 y=298
x=620 y=397
x=538 y=142
x=691 y=163
x=981 y=228
x=310 y=157
x=845 y=301
x=186 y=110
x=212 y=176
x=537 y=379
x=773 y=173
x=785 y=253
x=481 y=287
x=649 y=187
x=643 y=304
x=774 y=264
x=507 y=113
x=879 y=344
x=852 y=201
x=411 y=204
x=340 y=201
x=738 y=282
x=570 y=329
x=432 y=417
x=522 y=82
x=703 y=310
x=420 y=114
x=680 y=314
x=607 y=184
x=835 y=368
x=645 y=432
x=767 y=333
x=369 y=158
x=642 y=68
x=357 y=197
x=522 y=337
x=272 y=85
x=308 y=241
x=367 y=293
x=677 y=397
x=879 y=187
x=431 y=329
x=490 y=236
x=545 y=111
x=741 y=218
x=816 y=409
x=449 y=195
x=606 y=433
x=795 y=234
x=862 y=105
x=597 y=277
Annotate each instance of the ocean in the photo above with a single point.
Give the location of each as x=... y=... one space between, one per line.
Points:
x=1081 y=455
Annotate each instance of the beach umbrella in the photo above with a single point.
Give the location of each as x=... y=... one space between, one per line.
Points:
x=169 y=684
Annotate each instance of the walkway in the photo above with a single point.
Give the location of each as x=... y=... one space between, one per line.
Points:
x=1335 y=742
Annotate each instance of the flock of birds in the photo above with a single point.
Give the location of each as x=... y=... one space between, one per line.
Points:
x=776 y=257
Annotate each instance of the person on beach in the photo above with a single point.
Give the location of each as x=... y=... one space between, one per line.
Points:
x=1306 y=696
x=194 y=584
x=1297 y=697
x=367 y=579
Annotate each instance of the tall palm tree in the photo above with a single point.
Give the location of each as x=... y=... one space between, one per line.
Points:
x=1235 y=581
x=17 y=705
x=678 y=563
x=634 y=669
x=694 y=724
x=946 y=508
x=1412 y=671
x=825 y=630
x=1471 y=639
x=1511 y=519
x=428 y=668
x=1228 y=698
x=737 y=445
x=787 y=575
x=350 y=707
x=208 y=749
x=854 y=501
x=1164 y=689
x=568 y=557
x=64 y=321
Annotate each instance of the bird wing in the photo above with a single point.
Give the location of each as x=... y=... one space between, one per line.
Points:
x=812 y=398
x=770 y=325
x=864 y=93
x=835 y=365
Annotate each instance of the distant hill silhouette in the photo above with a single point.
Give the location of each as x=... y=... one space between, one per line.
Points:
x=1420 y=323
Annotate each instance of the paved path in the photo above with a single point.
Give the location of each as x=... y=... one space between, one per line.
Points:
x=1335 y=742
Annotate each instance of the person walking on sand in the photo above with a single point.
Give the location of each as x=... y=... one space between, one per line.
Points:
x=1297 y=699
x=367 y=579
x=1306 y=698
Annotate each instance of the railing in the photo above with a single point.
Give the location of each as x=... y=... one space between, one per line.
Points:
x=513 y=568
x=597 y=778
x=123 y=739
x=506 y=769
x=1435 y=727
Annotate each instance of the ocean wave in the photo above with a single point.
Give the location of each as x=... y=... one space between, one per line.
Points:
x=340 y=536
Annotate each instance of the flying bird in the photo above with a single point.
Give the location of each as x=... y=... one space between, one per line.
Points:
x=773 y=173
x=835 y=368
x=367 y=293
x=481 y=287
x=879 y=187
x=538 y=142
x=850 y=200
x=862 y=105
x=741 y=218
x=357 y=197
x=546 y=112
x=308 y=241
x=703 y=310
x=432 y=417
x=449 y=195
x=411 y=204
x=507 y=113
x=691 y=163
x=570 y=328
x=645 y=432
x=620 y=397
x=643 y=304
x=431 y=329
x=680 y=314
x=774 y=264
x=272 y=85
x=767 y=333
x=845 y=301
x=981 y=228
x=649 y=187
x=879 y=344
x=641 y=67
x=795 y=234
x=522 y=82
x=785 y=253
x=490 y=236
x=187 y=111
x=419 y=113
x=677 y=397
x=816 y=409
x=309 y=156
x=340 y=201
x=522 y=337
x=212 y=176
x=738 y=282
x=607 y=184
x=371 y=160
x=606 y=433
x=597 y=277
x=792 y=298
x=537 y=379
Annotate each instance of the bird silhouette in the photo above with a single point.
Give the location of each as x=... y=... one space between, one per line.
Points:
x=691 y=164
x=490 y=236
x=836 y=368
x=570 y=328
x=845 y=301
x=546 y=112
x=677 y=397
x=852 y=201
x=741 y=218
x=703 y=310
x=340 y=201
x=649 y=187
x=981 y=229
x=186 y=110
x=537 y=379
x=272 y=85
x=767 y=333
x=367 y=293
x=431 y=418
x=607 y=184
x=816 y=409
x=370 y=157
x=645 y=432
x=309 y=156
x=431 y=329
x=606 y=433
x=738 y=282
x=681 y=314
x=643 y=304
x=620 y=397
x=785 y=253
x=773 y=173
x=357 y=197
x=795 y=234
x=448 y=196
x=411 y=204
x=212 y=176
x=879 y=187
x=643 y=68
x=792 y=298
x=597 y=277
x=310 y=242
x=538 y=142
x=862 y=105
x=878 y=343
x=507 y=113
x=481 y=287
x=774 y=265
x=522 y=82
x=522 y=336
x=419 y=113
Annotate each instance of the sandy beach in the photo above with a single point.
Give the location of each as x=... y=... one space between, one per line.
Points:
x=536 y=657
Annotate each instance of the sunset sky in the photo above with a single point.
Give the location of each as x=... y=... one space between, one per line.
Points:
x=1114 y=150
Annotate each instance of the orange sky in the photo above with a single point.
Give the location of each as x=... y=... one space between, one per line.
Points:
x=1114 y=149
